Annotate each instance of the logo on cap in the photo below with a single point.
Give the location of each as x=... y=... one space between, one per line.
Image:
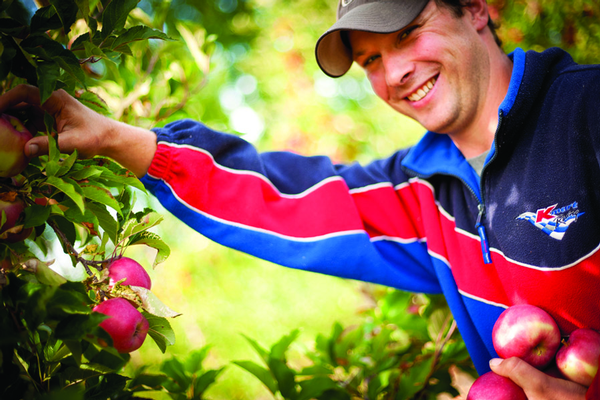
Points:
x=346 y=2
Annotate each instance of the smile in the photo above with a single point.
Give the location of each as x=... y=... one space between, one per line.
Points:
x=422 y=92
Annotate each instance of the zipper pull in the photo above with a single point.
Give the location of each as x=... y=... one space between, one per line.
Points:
x=485 y=248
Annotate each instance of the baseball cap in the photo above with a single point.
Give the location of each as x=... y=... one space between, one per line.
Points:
x=379 y=16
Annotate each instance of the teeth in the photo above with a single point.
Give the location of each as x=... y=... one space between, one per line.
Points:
x=422 y=92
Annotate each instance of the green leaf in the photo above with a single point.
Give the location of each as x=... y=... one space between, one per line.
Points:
x=68 y=302
x=154 y=241
x=278 y=349
x=67 y=188
x=138 y=33
x=77 y=326
x=313 y=388
x=56 y=350
x=47 y=74
x=115 y=15
x=45 y=19
x=135 y=226
x=53 y=152
x=35 y=215
x=110 y=385
x=174 y=370
x=9 y=51
x=285 y=376
x=160 y=330
x=152 y=304
x=202 y=382
x=67 y=11
x=105 y=220
x=414 y=379
x=66 y=164
x=79 y=173
x=261 y=373
x=193 y=363
x=43 y=273
x=154 y=382
x=264 y=354
x=93 y=101
x=101 y=196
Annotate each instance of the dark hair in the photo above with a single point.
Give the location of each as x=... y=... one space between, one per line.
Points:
x=457 y=6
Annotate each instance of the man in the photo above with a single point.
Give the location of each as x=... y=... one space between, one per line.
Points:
x=427 y=218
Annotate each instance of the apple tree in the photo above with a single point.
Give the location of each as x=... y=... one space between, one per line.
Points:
x=58 y=337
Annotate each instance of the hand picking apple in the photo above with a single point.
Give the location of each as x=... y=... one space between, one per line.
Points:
x=126 y=326
x=13 y=136
x=528 y=338
x=82 y=129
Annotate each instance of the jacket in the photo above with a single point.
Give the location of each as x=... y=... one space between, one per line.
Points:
x=526 y=231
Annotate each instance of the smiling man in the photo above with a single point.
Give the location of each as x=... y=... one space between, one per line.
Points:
x=471 y=211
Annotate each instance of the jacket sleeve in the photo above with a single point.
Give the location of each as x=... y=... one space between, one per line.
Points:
x=301 y=212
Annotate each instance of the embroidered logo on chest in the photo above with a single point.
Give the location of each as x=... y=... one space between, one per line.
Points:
x=553 y=221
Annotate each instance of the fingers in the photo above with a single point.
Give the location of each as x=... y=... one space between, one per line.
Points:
x=517 y=370
x=19 y=94
x=536 y=384
x=36 y=147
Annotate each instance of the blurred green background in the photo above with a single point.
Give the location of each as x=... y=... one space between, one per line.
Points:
x=248 y=67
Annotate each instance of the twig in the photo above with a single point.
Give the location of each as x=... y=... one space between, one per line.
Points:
x=71 y=250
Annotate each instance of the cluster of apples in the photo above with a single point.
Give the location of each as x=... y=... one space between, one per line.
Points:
x=13 y=136
x=126 y=326
x=530 y=333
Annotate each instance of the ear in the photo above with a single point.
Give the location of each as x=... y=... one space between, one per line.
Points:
x=477 y=10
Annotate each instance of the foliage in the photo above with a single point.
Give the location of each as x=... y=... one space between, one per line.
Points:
x=403 y=350
x=50 y=338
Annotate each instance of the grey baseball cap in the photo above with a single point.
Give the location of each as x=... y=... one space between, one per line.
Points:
x=379 y=16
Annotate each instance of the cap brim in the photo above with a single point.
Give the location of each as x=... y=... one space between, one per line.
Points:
x=335 y=58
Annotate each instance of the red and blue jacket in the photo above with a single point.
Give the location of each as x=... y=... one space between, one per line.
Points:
x=526 y=231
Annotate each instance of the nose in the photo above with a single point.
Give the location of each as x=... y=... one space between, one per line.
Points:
x=398 y=69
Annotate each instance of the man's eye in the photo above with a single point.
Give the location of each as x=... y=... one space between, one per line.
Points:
x=404 y=34
x=369 y=60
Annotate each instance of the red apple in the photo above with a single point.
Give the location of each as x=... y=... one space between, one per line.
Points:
x=13 y=136
x=126 y=326
x=491 y=386
x=12 y=207
x=577 y=360
x=527 y=332
x=131 y=270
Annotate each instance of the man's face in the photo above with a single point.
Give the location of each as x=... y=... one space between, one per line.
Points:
x=436 y=70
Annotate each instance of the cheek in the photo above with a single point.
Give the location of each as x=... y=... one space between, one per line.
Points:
x=378 y=84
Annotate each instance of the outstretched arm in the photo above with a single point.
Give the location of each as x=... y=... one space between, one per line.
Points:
x=536 y=384
x=85 y=130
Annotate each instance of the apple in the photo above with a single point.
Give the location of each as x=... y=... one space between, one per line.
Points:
x=13 y=209
x=13 y=136
x=577 y=360
x=527 y=332
x=131 y=270
x=126 y=326
x=491 y=386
